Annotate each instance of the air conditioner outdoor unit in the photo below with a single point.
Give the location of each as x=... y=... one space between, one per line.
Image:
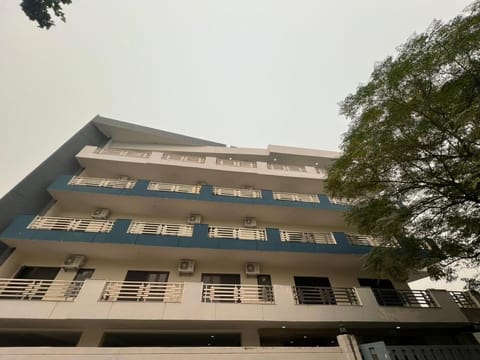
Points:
x=73 y=262
x=101 y=213
x=249 y=222
x=252 y=268
x=186 y=266
x=194 y=219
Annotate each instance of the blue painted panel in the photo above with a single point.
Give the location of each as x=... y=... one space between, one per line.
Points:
x=118 y=234
x=157 y=240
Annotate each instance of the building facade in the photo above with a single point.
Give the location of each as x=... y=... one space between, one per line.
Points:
x=136 y=243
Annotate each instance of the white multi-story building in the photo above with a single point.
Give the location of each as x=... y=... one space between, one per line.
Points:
x=134 y=243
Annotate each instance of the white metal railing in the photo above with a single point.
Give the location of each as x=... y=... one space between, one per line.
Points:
x=324 y=295
x=148 y=228
x=322 y=172
x=236 y=293
x=464 y=299
x=71 y=224
x=102 y=182
x=340 y=201
x=181 y=188
x=236 y=233
x=296 y=197
x=237 y=163
x=34 y=289
x=142 y=291
x=365 y=240
x=244 y=193
x=307 y=237
x=183 y=157
x=295 y=168
x=124 y=152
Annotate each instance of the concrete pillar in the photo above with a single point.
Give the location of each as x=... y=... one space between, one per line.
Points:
x=349 y=346
x=91 y=337
x=250 y=337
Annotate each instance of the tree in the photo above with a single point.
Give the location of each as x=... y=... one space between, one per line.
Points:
x=411 y=157
x=39 y=11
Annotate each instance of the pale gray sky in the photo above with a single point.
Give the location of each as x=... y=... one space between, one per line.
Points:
x=244 y=72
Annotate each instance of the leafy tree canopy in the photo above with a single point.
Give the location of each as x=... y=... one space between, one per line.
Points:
x=411 y=157
x=39 y=11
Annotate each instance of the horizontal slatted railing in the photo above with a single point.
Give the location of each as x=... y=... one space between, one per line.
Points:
x=149 y=228
x=307 y=237
x=464 y=299
x=124 y=152
x=236 y=233
x=70 y=224
x=184 y=157
x=102 y=182
x=405 y=298
x=364 y=240
x=33 y=289
x=243 y=193
x=142 y=291
x=312 y=198
x=237 y=163
x=180 y=188
x=294 y=168
x=233 y=293
x=325 y=295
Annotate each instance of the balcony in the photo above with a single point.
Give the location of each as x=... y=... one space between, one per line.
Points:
x=44 y=290
x=405 y=298
x=189 y=168
x=125 y=231
x=142 y=291
x=245 y=294
x=325 y=295
x=70 y=224
x=176 y=199
x=125 y=300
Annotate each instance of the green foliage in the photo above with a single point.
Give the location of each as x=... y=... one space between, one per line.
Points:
x=411 y=157
x=39 y=11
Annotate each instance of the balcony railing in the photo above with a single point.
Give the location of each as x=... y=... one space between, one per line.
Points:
x=312 y=198
x=405 y=298
x=102 y=182
x=294 y=168
x=340 y=201
x=464 y=300
x=148 y=228
x=46 y=290
x=307 y=237
x=71 y=224
x=180 y=188
x=364 y=240
x=184 y=157
x=124 y=152
x=142 y=291
x=236 y=233
x=243 y=193
x=233 y=293
x=324 y=295
x=237 y=163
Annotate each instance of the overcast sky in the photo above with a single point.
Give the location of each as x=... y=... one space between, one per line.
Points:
x=245 y=73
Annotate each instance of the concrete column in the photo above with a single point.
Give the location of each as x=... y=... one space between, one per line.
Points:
x=250 y=337
x=349 y=346
x=91 y=337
